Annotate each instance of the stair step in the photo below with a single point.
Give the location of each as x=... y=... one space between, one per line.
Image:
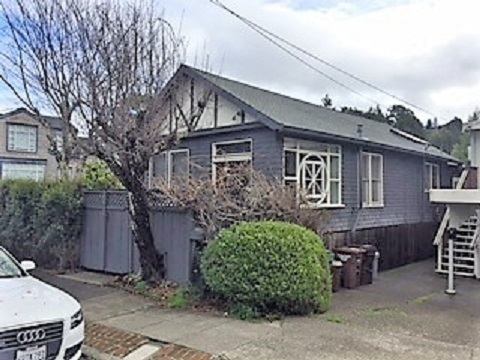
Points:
x=465 y=237
x=458 y=273
x=464 y=248
x=459 y=257
x=460 y=247
x=463 y=266
x=465 y=230
x=459 y=252
x=461 y=243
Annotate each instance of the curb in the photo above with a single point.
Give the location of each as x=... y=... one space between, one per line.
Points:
x=97 y=355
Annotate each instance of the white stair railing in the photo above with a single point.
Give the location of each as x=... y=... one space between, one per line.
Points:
x=446 y=216
x=438 y=241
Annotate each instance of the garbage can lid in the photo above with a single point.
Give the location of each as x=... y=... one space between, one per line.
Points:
x=349 y=250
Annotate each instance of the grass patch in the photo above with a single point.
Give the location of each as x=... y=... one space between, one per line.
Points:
x=422 y=299
x=391 y=311
x=184 y=298
x=336 y=319
x=179 y=300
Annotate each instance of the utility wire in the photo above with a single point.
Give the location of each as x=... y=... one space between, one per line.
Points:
x=291 y=53
x=267 y=34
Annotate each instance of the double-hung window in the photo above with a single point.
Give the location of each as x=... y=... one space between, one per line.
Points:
x=372 y=179
x=173 y=166
x=432 y=176
x=314 y=170
x=22 y=138
x=230 y=156
x=58 y=138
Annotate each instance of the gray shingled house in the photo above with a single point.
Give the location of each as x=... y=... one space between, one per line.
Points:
x=371 y=178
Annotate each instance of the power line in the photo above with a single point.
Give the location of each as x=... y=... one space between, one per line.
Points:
x=291 y=53
x=267 y=34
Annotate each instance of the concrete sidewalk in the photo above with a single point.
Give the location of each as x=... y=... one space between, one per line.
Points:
x=404 y=315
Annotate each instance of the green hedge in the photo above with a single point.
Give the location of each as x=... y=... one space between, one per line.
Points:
x=269 y=267
x=41 y=221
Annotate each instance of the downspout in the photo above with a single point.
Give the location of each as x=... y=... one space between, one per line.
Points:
x=423 y=185
x=356 y=209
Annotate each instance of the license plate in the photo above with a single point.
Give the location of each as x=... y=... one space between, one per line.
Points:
x=33 y=353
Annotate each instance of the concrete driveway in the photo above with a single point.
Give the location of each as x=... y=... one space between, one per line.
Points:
x=404 y=315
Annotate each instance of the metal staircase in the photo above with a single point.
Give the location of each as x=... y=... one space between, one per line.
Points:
x=466 y=249
x=465 y=253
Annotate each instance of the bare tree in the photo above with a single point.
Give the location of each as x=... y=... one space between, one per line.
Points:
x=239 y=194
x=106 y=65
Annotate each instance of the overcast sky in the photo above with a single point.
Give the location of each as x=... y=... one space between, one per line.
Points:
x=425 y=51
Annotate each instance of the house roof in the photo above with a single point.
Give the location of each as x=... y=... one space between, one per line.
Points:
x=289 y=113
x=52 y=121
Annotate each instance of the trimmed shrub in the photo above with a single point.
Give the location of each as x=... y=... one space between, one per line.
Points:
x=98 y=176
x=269 y=267
x=41 y=221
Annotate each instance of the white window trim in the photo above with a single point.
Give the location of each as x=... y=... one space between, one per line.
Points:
x=216 y=159
x=11 y=146
x=39 y=170
x=170 y=162
x=150 y=173
x=430 y=179
x=168 y=166
x=58 y=138
x=296 y=147
x=370 y=203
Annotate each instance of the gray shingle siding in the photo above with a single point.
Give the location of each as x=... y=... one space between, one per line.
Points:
x=267 y=148
x=405 y=200
x=342 y=219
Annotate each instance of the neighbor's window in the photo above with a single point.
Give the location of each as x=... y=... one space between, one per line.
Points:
x=22 y=138
x=23 y=171
x=372 y=179
x=59 y=140
x=314 y=169
x=171 y=165
x=230 y=155
x=432 y=176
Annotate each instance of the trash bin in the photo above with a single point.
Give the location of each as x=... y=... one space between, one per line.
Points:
x=337 y=267
x=352 y=265
x=367 y=264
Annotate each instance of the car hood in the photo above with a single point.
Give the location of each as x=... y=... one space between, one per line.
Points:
x=27 y=300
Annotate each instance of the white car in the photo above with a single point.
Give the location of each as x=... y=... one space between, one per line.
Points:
x=37 y=321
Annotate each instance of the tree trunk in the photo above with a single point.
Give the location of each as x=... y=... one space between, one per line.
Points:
x=151 y=261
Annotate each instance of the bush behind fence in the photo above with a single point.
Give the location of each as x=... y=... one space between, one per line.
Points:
x=42 y=221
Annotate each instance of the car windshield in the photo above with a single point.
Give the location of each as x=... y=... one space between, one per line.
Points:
x=8 y=267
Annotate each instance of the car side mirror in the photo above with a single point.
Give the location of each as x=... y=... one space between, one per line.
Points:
x=28 y=265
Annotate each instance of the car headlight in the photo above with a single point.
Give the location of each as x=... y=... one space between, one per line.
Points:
x=76 y=319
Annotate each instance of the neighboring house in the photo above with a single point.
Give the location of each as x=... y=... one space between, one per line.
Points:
x=371 y=178
x=25 y=149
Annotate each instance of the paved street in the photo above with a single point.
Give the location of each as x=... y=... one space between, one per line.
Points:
x=404 y=315
x=80 y=291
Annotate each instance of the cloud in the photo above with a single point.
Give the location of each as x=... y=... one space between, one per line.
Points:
x=426 y=51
